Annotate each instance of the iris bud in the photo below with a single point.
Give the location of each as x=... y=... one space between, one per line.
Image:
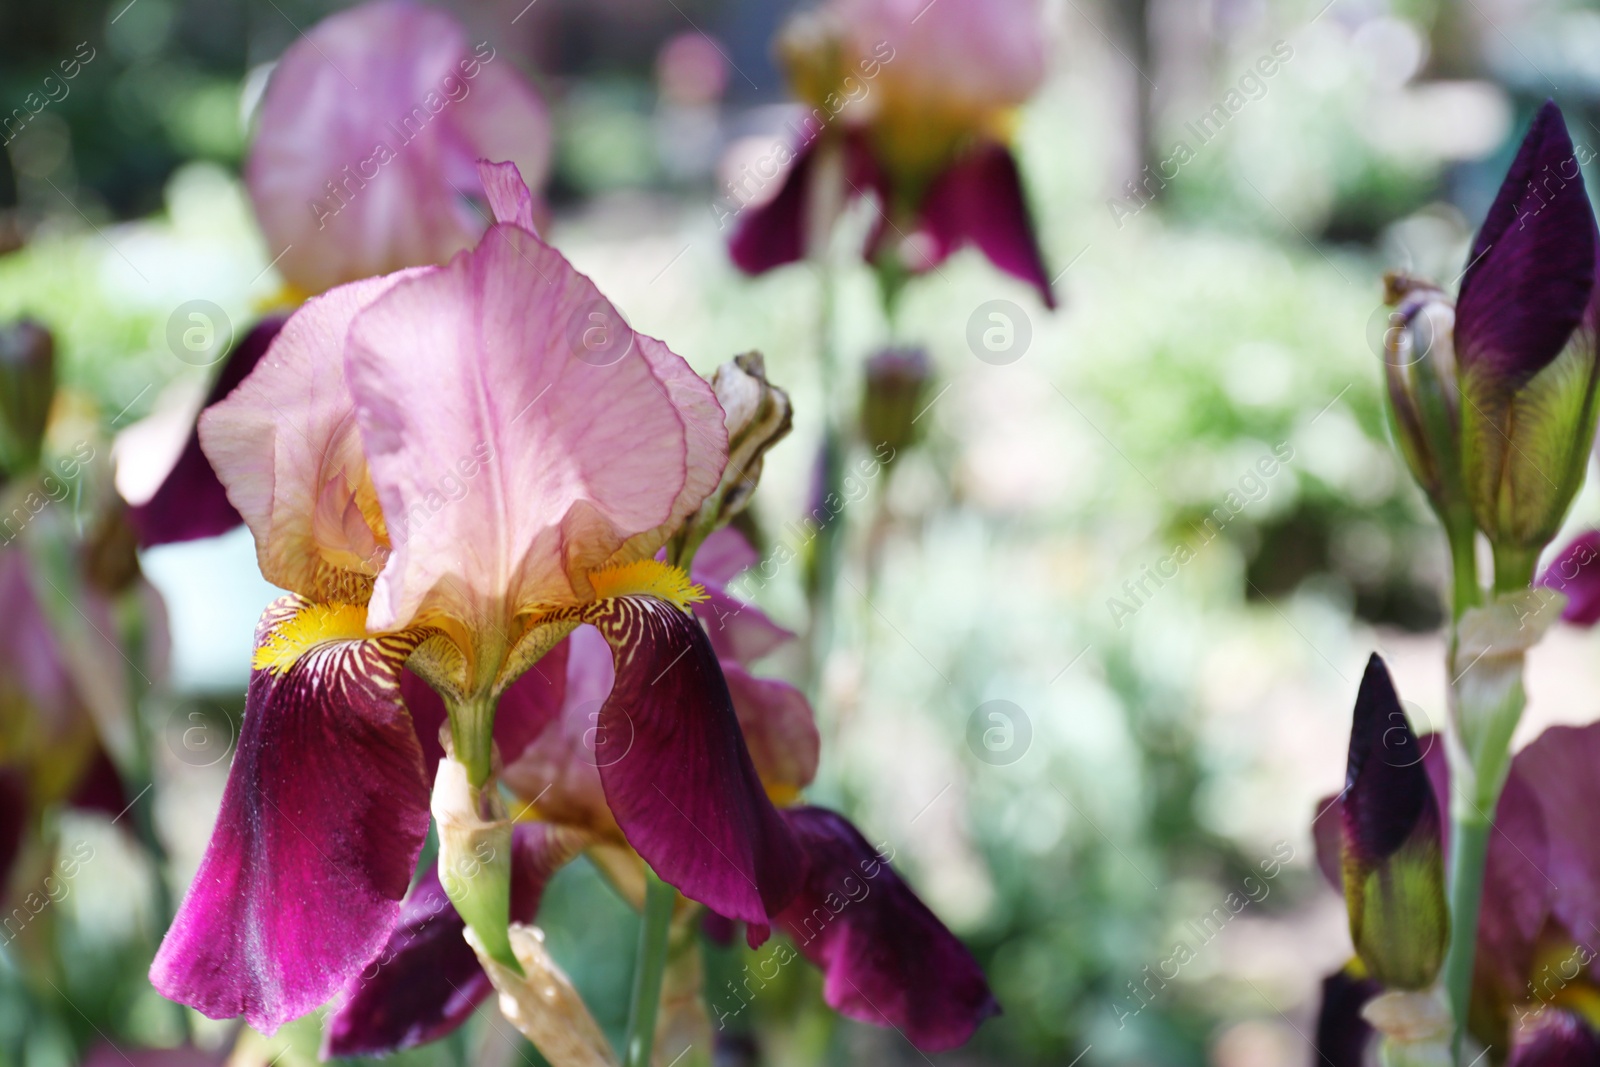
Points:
x=1525 y=328
x=1424 y=395
x=897 y=379
x=757 y=415
x=1392 y=857
x=27 y=387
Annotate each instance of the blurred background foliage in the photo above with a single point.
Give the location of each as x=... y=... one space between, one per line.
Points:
x=1223 y=314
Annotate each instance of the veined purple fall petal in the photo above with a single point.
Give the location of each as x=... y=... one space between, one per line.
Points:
x=676 y=772
x=888 y=960
x=367 y=141
x=191 y=502
x=1531 y=274
x=426 y=981
x=979 y=200
x=322 y=820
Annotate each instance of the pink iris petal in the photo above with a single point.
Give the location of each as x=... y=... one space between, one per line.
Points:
x=966 y=55
x=739 y=631
x=723 y=556
x=676 y=772
x=979 y=200
x=427 y=981
x=367 y=137
x=1558 y=768
x=519 y=434
x=322 y=820
x=278 y=439
x=1576 y=573
x=508 y=195
x=779 y=727
x=1531 y=275
x=191 y=502
x=559 y=766
x=888 y=959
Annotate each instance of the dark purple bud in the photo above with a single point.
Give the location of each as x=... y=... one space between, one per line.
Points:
x=1342 y=1033
x=1392 y=846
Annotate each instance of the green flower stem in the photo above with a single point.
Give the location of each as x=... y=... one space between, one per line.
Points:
x=1513 y=568
x=1469 y=846
x=1466 y=592
x=651 y=965
x=472 y=733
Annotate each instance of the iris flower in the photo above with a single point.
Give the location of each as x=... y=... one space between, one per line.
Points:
x=453 y=467
x=362 y=163
x=1536 y=985
x=887 y=958
x=918 y=100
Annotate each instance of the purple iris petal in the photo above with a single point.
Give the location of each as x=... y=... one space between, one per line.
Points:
x=675 y=770
x=1559 y=770
x=100 y=786
x=323 y=817
x=773 y=233
x=13 y=818
x=888 y=960
x=1342 y=1034
x=1532 y=270
x=191 y=503
x=1576 y=572
x=979 y=200
x=1557 y=1039
x=427 y=981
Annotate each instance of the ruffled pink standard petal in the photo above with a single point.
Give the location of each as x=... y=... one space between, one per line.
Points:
x=191 y=502
x=322 y=820
x=427 y=981
x=1576 y=572
x=1561 y=1039
x=888 y=959
x=367 y=137
x=676 y=772
x=1531 y=275
x=979 y=200
x=1559 y=770
x=520 y=436
x=288 y=429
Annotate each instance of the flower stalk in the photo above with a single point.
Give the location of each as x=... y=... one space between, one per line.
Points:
x=649 y=970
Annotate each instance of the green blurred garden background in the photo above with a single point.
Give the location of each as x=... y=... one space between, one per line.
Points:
x=1170 y=734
